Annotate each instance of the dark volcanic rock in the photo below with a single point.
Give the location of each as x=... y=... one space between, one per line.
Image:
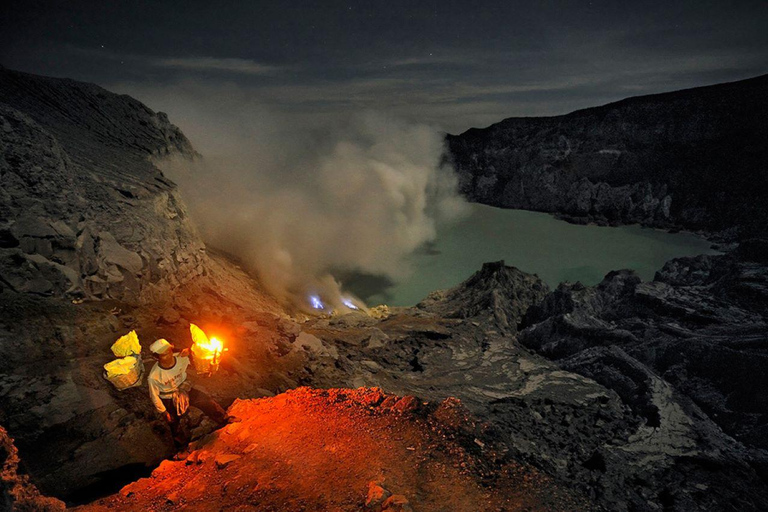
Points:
x=16 y=491
x=693 y=158
x=687 y=352
x=84 y=212
x=599 y=418
x=503 y=292
x=605 y=416
x=640 y=396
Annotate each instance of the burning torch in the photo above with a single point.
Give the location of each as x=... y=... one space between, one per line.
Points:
x=207 y=352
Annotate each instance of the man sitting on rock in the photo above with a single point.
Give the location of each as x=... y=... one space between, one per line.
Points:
x=172 y=394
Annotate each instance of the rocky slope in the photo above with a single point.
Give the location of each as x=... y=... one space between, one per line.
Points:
x=621 y=401
x=700 y=325
x=344 y=450
x=85 y=213
x=693 y=158
x=616 y=426
x=94 y=242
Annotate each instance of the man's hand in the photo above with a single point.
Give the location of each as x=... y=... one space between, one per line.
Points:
x=167 y=417
x=184 y=353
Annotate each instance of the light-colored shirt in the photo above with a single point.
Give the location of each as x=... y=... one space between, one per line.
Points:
x=163 y=382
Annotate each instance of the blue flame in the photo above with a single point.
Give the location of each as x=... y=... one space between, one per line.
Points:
x=316 y=302
x=349 y=304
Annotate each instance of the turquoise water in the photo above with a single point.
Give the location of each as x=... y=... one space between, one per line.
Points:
x=534 y=242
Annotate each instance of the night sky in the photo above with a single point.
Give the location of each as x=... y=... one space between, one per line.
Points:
x=453 y=64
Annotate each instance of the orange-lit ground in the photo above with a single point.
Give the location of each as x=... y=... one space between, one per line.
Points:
x=318 y=450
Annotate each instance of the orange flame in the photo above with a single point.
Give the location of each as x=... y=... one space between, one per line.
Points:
x=203 y=348
x=212 y=348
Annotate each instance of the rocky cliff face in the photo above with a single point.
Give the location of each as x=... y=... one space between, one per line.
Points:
x=94 y=242
x=693 y=158
x=85 y=213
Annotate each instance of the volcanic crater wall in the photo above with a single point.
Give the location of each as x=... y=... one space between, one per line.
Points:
x=694 y=158
x=613 y=390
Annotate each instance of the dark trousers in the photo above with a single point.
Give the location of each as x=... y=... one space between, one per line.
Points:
x=201 y=400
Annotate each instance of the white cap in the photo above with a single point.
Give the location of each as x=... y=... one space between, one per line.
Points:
x=160 y=346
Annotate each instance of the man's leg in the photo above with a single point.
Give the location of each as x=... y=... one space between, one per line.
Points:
x=208 y=405
x=178 y=432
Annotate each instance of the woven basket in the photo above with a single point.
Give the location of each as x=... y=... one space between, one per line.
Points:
x=203 y=363
x=128 y=380
x=206 y=366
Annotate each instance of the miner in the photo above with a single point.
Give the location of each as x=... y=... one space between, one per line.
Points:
x=172 y=394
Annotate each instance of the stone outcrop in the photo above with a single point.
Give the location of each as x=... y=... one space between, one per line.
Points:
x=693 y=158
x=686 y=352
x=498 y=294
x=83 y=210
x=701 y=324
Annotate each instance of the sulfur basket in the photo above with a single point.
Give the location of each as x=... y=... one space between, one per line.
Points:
x=130 y=379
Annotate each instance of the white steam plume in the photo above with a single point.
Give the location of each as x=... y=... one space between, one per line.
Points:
x=294 y=199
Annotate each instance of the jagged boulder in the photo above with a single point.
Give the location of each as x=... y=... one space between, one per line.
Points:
x=497 y=292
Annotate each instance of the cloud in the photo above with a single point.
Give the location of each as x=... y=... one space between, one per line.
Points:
x=446 y=58
x=456 y=89
x=230 y=65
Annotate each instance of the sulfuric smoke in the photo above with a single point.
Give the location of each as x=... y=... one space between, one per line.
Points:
x=297 y=198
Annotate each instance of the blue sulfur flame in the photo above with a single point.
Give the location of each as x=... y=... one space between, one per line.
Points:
x=316 y=302
x=349 y=304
